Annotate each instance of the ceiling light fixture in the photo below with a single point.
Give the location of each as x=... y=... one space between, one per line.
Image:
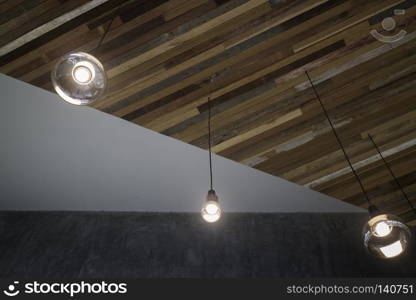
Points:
x=384 y=235
x=78 y=77
x=211 y=211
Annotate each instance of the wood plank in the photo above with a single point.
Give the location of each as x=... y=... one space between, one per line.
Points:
x=182 y=38
x=28 y=15
x=55 y=23
x=260 y=129
x=362 y=163
x=176 y=9
x=364 y=14
x=377 y=130
x=158 y=123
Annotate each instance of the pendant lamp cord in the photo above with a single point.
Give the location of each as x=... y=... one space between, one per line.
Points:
x=209 y=140
x=339 y=140
x=392 y=174
x=107 y=29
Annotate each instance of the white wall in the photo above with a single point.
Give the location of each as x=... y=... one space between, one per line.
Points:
x=55 y=156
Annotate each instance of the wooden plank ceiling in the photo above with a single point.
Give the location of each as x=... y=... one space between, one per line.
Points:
x=165 y=58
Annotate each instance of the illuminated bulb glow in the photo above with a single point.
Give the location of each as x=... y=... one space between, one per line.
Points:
x=382 y=229
x=211 y=211
x=211 y=218
x=380 y=233
x=392 y=250
x=83 y=72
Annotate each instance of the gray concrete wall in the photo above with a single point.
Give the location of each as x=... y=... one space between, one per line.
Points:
x=129 y=245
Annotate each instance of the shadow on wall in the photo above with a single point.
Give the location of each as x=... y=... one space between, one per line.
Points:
x=130 y=245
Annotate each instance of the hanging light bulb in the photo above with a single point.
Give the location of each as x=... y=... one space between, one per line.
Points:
x=211 y=211
x=79 y=78
x=382 y=229
x=385 y=235
x=83 y=72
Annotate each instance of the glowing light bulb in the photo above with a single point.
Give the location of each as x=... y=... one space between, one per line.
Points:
x=82 y=74
x=211 y=211
x=211 y=218
x=392 y=250
x=382 y=229
x=212 y=208
x=79 y=78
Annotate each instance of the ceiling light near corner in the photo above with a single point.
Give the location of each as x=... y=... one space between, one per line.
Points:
x=79 y=78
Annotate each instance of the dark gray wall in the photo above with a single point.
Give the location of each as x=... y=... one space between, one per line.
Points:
x=128 y=245
x=56 y=156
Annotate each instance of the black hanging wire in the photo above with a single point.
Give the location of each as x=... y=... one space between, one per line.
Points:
x=209 y=141
x=107 y=29
x=392 y=174
x=339 y=140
